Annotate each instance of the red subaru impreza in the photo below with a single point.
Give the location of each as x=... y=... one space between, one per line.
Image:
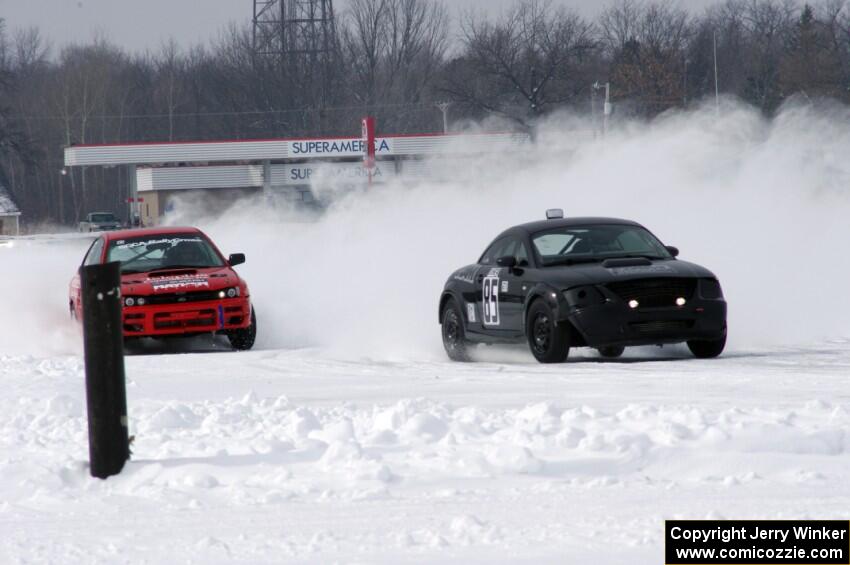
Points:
x=174 y=282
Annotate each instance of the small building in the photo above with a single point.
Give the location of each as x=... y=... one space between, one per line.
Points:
x=9 y=214
x=214 y=174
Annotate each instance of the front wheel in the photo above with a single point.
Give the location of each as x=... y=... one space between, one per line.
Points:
x=549 y=341
x=707 y=349
x=454 y=337
x=243 y=339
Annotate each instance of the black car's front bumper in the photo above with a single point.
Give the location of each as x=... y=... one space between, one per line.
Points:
x=615 y=323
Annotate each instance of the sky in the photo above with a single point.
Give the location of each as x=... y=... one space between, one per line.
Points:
x=137 y=25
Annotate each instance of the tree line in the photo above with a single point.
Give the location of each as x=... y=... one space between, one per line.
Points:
x=397 y=59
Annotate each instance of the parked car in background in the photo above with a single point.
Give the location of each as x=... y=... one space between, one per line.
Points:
x=100 y=221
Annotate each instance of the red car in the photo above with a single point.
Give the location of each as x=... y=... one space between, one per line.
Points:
x=174 y=282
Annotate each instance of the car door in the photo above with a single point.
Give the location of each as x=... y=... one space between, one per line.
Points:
x=500 y=297
x=513 y=286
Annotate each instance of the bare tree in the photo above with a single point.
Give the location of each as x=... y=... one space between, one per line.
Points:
x=647 y=44
x=522 y=65
x=394 y=49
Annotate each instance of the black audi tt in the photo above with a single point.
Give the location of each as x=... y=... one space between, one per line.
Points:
x=582 y=282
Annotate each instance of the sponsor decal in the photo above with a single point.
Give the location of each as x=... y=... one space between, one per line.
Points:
x=470 y=312
x=641 y=270
x=161 y=284
x=504 y=286
x=122 y=244
x=466 y=277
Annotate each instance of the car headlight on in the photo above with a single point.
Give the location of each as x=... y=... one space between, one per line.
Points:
x=231 y=292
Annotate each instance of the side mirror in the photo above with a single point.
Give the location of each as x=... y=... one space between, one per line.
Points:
x=508 y=261
x=236 y=259
x=674 y=251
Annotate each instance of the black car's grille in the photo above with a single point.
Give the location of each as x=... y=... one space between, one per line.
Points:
x=661 y=326
x=182 y=297
x=654 y=293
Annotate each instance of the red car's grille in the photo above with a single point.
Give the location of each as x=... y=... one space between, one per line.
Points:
x=182 y=297
x=172 y=320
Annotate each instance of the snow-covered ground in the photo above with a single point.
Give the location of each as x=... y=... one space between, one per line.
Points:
x=282 y=455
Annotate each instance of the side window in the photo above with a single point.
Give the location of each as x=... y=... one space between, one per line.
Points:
x=95 y=251
x=495 y=251
x=506 y=247
x=521 y=255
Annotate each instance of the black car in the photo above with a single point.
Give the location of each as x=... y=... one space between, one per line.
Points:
x=582 y=282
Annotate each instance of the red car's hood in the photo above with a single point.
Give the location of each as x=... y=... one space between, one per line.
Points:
x=178 y=280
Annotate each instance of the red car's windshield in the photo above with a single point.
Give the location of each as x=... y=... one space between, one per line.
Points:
x=163 y=251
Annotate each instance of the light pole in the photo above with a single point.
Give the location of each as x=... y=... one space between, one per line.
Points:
x=444 y=108
x=606 y=112
x=63 y=172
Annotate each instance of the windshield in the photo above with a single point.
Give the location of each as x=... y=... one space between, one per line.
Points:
x=102 y=218
x=580 y=244
x=163 y=251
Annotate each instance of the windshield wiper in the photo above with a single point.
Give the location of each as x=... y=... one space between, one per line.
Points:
x=637 y=256
x=176 y=268
x=572 y=261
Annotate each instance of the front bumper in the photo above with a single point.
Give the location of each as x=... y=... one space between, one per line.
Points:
x=186 y=318
x=614 y=323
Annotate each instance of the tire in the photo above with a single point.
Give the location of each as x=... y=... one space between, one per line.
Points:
x=611 y=351
x=243 y=339
x=707 y=349
x=549 y=342
x=454 y=336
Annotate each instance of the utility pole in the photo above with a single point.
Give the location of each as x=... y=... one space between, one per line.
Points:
x=606 y=110
x=593 y=108
x=716 y=81
x=444 y=108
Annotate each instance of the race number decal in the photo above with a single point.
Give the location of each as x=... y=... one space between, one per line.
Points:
x=490 y=294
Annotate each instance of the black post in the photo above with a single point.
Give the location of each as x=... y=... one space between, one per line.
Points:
x=106 y=393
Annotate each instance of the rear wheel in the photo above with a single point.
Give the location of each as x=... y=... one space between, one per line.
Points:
x=454 y=336
x=707 y=349
x=243 y=339
x=611 y=351
x=549 y=342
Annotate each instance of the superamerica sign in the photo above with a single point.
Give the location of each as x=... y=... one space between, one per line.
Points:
x=338 y=147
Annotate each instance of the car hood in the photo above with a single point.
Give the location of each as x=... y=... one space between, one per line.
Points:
x=596 y=273
x=178 y=280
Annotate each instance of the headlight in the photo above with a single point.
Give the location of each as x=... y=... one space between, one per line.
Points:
x=710 y=289
x=134 y=301
x=231 y=292
x=129 y=301
x=583 y=296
